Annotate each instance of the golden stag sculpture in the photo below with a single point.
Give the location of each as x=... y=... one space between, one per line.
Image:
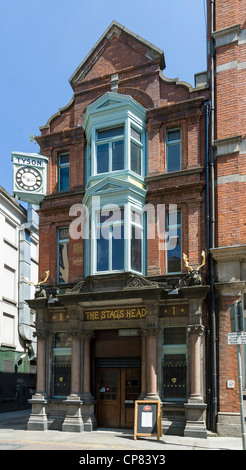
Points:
x=186 y=262
x=39 y=283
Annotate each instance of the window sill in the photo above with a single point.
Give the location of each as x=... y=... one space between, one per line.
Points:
x=173 y=404
x=174 y=174
x=9 y=301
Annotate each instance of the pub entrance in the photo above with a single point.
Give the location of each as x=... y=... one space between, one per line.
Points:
x=116 y=359
x=116 y=392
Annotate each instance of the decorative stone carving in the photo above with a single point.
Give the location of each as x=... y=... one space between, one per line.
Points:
x=197 y=329
x=112 y=282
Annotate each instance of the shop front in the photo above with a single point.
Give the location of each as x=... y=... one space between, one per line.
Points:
x=112 y=340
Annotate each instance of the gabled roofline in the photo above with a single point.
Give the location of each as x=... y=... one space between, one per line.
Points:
x=154 y=52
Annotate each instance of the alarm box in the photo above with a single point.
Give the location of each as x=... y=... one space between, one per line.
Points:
x=29 y=177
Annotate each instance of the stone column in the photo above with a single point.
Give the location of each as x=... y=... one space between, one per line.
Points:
x=151 y=361
x=195 y=332
x=152 y=331
x=143 y=335
x=41 y=365
x=87 y=365
x=38 y=418
x=88 y=400
x=76 y=365
x=73 y=421
x=195 y=408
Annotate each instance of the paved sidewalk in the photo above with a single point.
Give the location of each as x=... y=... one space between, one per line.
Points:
x=15 y=436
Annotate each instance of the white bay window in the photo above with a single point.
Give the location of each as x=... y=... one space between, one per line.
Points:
x=115 y=170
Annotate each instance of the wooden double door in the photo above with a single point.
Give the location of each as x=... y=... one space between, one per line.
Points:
x=116 y=392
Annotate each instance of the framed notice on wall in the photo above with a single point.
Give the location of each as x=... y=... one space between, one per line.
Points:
x=147 y=419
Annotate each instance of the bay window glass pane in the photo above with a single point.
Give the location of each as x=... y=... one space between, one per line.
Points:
x=118 y=251
x=102 y=158
x=110 y=216
x=110 y=133
x=118 y=155
x=102 y=252
x=136 y=217
x=136 y=158
x=135 y=134
x=136 y=249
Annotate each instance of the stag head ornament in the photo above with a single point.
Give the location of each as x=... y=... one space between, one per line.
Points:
x=194 y=274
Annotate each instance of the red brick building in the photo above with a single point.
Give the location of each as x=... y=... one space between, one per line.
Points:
x=228 y=242
x=138 y=310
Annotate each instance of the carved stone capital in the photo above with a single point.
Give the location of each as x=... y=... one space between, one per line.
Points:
x=41 y=333
x=152 y=313
x=42 y=329
x=87 y=335
x=149 y=331
x=196 y=329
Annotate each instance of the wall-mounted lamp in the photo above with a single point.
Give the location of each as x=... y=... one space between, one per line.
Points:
x=174 y=282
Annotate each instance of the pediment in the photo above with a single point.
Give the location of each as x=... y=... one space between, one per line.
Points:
x=108 y=102
x=116 y=43
x=108 y=184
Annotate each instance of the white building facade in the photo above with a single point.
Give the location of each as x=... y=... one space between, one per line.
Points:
x=18 y=266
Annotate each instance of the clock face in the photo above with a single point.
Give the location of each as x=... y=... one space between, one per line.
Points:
x=28 y=179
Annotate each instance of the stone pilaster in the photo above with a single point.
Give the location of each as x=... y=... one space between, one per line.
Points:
x=152 y=331
x=73 y=421
x=195 y=408
x=38 y=418
x=88 y=400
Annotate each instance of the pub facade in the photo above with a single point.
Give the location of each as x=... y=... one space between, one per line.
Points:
x=123 y=315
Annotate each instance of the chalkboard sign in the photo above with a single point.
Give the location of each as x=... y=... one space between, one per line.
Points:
x=147 y=419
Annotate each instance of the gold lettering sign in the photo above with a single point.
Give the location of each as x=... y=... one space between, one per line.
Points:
x=115 y=314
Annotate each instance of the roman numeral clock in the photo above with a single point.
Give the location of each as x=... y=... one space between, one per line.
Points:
x=29 y=177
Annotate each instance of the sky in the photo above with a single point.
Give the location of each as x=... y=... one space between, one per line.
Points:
x=43 y=41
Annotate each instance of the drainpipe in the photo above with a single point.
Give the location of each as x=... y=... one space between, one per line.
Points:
x=212 y=220
x=24 y=323
x=208 y=271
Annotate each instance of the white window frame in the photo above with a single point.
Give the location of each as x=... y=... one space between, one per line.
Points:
x=110 y=224
x=110 y=141
x=128 y=124
x=128 y=224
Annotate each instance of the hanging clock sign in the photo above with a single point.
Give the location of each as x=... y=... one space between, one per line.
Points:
x=29 y=176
